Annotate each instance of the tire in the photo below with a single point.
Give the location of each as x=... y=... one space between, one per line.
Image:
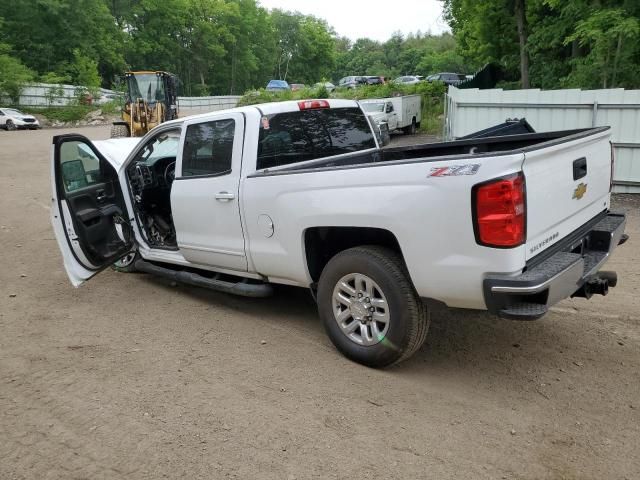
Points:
x=412 y=127
x=407 y=317
x=127 y=263
x=10 y=126
x=119 y=131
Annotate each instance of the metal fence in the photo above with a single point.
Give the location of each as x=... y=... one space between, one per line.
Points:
x=50 y=95
x=195 y=105
x=53 y=95
x=467 y=111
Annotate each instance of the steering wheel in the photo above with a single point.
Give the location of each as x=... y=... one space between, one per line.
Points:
x=170 y=173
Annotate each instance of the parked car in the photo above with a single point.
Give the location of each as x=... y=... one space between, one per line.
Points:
x=12 y=119
x=375 y=80
x=352 y=82
x=297 y=86
x=277 y=86
x=407 y=80
x=330 y=87
x=299 y=193
x=447 y=78
x=404 y=113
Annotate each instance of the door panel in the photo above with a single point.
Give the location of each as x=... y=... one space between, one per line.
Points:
x=204 y=195
x=88 y=211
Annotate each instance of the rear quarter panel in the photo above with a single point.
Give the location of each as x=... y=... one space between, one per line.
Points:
x=430 y=217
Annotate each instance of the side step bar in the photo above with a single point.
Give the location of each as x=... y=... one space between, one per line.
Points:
x=241 y=287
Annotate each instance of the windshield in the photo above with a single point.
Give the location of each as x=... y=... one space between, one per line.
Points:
x=147 y=86
x=12 y=111
x=163 y=146
x=373 y=107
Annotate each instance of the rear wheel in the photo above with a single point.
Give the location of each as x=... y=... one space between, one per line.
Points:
x=412 y=128
x=119 y=131
x=10 y=125
x=369 y=307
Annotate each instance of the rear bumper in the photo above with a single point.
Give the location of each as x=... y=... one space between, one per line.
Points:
x=570 y=271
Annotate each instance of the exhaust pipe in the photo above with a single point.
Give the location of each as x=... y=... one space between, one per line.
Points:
x=611 y=277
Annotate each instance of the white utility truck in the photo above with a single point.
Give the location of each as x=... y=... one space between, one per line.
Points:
x=300 y=193
x=399 y=113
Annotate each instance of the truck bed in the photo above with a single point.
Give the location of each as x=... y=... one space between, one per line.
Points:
x=475 y=147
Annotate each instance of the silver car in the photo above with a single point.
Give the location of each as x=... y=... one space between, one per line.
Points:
x=12 y=119
x=408 y=80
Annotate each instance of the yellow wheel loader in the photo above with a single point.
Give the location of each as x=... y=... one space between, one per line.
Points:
x=151 y=100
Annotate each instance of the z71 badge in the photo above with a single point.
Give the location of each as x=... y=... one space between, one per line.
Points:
x=470 y=169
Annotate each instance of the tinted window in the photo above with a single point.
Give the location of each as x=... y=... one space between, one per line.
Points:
x=208 y=148
x=292 y=137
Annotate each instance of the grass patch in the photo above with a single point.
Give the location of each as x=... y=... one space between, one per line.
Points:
x=71 y=113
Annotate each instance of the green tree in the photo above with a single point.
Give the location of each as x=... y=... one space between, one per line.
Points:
x=84 y=71
x=43 y=34
x=13 y=75
x=608 y=34
x=305 y=47
x=553 y=43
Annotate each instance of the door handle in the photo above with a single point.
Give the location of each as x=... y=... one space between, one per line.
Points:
x=225 y=196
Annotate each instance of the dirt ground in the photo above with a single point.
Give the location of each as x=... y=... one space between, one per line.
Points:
x=129 y=377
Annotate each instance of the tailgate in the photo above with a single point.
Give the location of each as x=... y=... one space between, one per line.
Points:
x=567 y=184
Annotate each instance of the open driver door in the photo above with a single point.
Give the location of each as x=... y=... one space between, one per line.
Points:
x=88 y=211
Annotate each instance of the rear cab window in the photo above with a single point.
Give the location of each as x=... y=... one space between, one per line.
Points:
x=299 y=136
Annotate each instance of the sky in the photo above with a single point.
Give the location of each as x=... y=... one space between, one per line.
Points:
x=373 y=19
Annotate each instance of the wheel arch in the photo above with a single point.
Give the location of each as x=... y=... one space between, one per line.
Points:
x=323 y=243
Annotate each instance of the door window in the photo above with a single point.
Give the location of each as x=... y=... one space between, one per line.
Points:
x=79 y=166
x=208 y=148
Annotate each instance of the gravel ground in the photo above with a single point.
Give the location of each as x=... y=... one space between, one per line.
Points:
x=129 y=377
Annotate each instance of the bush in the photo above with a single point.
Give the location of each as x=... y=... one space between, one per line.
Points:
x=432 y=98
x=111 y=108
x=70 y=113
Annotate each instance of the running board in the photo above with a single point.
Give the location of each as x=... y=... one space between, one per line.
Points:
x=241 y=287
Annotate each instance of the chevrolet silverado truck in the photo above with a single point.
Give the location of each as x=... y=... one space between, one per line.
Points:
x=300 y=193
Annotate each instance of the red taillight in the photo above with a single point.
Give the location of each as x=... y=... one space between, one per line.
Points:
x=311 y=104
x=500 y=212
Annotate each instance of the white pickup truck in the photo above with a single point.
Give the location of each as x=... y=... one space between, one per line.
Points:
x=398 y=113
x=299 y=193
